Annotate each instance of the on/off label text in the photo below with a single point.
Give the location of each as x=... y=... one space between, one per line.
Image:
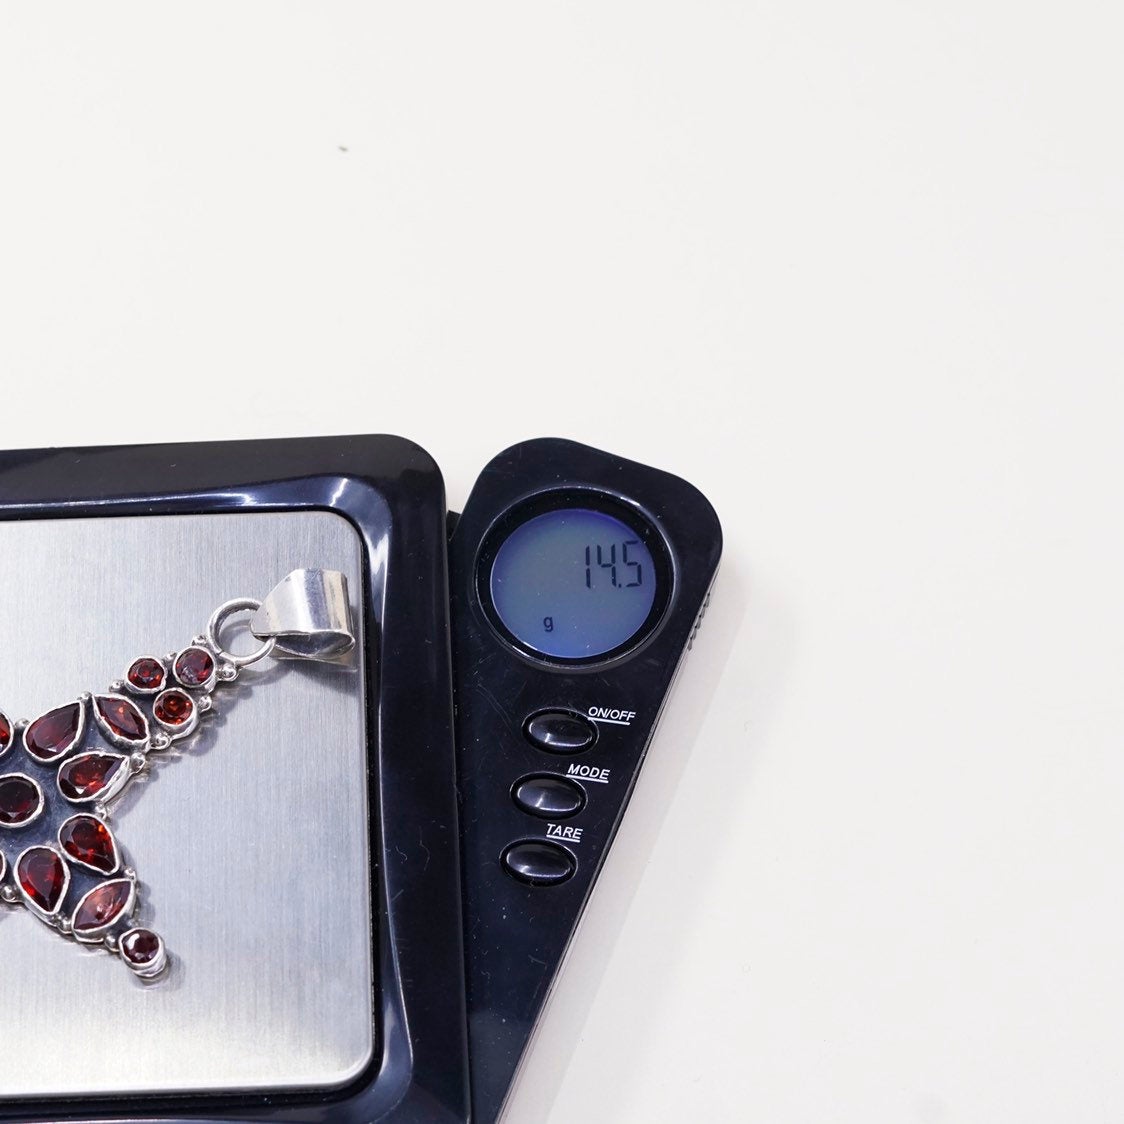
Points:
x=612 y=714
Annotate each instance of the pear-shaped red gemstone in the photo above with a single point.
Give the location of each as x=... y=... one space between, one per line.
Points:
x=5 y=733
x=102 y=906
x=121 y=718
x=90 y=775
x=20 y=800
x=55 y=733
x=87 y=840
x=42 y=877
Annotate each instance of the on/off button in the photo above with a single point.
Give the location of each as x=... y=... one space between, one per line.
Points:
x=560 y=731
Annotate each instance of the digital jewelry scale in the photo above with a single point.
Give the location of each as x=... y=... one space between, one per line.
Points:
x=327 y=871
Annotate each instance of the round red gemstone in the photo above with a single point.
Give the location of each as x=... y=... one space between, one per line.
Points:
x=86 y=776
x=173 y=707
x=5 y=733
x=140 y=946
x=42 y=877
x=194 y=667
x=102 y=906
x=54 y=733
x=146 y=674
x=20 y=800
x=122 y=718
x=87 y=840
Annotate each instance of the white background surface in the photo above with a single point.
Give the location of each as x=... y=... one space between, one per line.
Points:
x=856 y=271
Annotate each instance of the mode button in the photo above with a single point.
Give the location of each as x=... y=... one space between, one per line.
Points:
x=548 y=796
x=560 y=731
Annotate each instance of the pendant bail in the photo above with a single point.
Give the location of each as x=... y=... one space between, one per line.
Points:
x=309 y=616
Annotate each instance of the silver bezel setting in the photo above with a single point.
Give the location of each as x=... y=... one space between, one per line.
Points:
x=103 y=795
x=184 y=728
x=49 y=916
x=155 y=966
x=111 y=735
x=79 y=862
x=94 y=936
x=76 y=740
x=133 y=689
x=209 y=684
x=38 y=811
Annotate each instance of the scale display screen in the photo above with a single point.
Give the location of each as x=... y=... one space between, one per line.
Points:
x=574 y=583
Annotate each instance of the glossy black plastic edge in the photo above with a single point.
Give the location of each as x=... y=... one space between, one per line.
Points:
x=420 y=1069
x=516 y=936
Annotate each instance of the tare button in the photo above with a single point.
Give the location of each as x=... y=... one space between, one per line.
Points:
x=538 y=863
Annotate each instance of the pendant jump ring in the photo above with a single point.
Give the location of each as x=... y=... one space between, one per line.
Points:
x=220 y=616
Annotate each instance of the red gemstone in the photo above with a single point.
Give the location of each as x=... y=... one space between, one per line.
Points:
x=89 y=775
x=122 y=718
x=146 y=674
x=88 y=841
x=20 y=800
x=194 y=667
x=52 y=735
x=140 y=946
x=102 y=906
x=173 y=707
x=42 y=877
x=5 y=733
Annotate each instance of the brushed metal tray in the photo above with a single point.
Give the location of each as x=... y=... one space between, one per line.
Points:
x=251 y=840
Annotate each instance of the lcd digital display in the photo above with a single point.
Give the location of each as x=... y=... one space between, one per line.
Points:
x=573 y=583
